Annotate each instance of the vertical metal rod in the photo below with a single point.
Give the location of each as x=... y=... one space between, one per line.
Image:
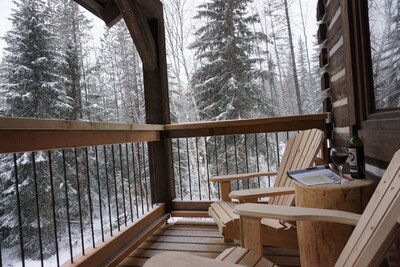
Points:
x=179 y=168
x=135 y=181
x=257 y=158
x=79 y=201
x=246 y=159
x=145 y=176
x=129 y=180
x=140 y=177
x=268 y=158
x=226 y=155
x=236 y=159
x=21 y=238
x=99 y=190
x=277 y=149
x=108 y=191
x=53 y=204
x=122 y=183
x=67 y=203
x=115 y=187
x=188 y=162
x=208 y=169
x=37 y=207
x=216 y=164
x=89 y=196
x=198 y=166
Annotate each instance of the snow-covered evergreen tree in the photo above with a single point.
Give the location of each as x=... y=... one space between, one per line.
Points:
x=34 y=85
x=122 y=84
x=72 y=29
x=385 y=42
x=31 y=65
x=227 y=84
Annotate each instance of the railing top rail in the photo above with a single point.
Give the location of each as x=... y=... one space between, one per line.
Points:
x=25 y=135
x=9 y=123
x=244 y=126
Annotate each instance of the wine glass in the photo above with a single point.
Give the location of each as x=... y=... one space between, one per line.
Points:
x=339 y=156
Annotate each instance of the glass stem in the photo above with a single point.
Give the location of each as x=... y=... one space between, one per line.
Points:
x=340 y=170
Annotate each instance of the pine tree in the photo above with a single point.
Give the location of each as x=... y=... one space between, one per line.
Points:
x=34 y=88
x=227 y=84
x=386 y=59
x=72 y=29
x=31 y=65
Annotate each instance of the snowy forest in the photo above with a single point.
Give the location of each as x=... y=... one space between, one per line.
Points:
x=226 y=60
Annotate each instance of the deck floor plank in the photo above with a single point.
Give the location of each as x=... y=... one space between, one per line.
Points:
x=202 y=239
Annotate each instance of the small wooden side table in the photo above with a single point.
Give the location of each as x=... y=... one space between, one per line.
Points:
x=321 y=243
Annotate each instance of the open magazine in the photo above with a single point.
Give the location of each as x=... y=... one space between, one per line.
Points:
x=314 y=176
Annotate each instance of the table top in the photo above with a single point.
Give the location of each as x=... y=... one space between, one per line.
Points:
x=352 y=183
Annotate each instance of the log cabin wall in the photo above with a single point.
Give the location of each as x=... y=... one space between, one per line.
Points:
x=333 y=77
x=345 y=62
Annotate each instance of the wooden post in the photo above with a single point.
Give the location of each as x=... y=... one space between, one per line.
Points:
x=157 y=111
x=145 y=22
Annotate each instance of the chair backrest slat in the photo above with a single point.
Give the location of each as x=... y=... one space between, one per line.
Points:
x=379 y=224
x=301 y=152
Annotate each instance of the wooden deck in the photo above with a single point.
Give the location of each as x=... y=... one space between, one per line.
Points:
x=200 y=238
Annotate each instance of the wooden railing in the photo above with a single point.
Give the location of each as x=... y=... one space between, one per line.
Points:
x=201 y=150
x=100 y=175
x=74 y=188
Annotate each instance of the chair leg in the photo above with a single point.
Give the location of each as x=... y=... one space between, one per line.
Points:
x=250 y=234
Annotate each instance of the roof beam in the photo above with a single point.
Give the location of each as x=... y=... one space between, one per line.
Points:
x=140 y=31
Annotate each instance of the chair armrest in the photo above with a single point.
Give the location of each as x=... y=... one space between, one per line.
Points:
x=296 y=213
x=240 y=176
x=242 y=195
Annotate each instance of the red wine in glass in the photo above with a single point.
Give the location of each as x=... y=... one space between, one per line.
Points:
x=339 y=156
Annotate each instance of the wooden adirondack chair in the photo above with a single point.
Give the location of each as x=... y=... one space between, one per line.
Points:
x=301 y=152
x=376 y=229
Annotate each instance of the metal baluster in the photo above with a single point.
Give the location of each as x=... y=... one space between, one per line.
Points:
x=216 y=164
x=37 y=207
x=67 y=203
x=236 y=159
x=180 y=169
x=53 y=206
x=188 y=162
x=140 y=177
x=89 y=196
x=79 y=201
x=134 y=181
x=145 y=177
x=21 y=238
x=257 y=157
x=247 y=159
x=208 y=170
x=129 y=181
x=115 y=187
x=108 y=190
x=122 y=183
x=277 y=149
x=99 y=189
x=268 y=158
x=198 y=166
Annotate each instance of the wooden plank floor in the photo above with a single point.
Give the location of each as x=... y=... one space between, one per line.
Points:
x=200 y=238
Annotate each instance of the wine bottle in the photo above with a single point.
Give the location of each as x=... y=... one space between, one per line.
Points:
x=356 y=155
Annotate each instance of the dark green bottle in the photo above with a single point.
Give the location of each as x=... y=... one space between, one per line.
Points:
x=356 y=155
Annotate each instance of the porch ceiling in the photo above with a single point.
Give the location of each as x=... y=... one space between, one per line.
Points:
x=108 y=11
